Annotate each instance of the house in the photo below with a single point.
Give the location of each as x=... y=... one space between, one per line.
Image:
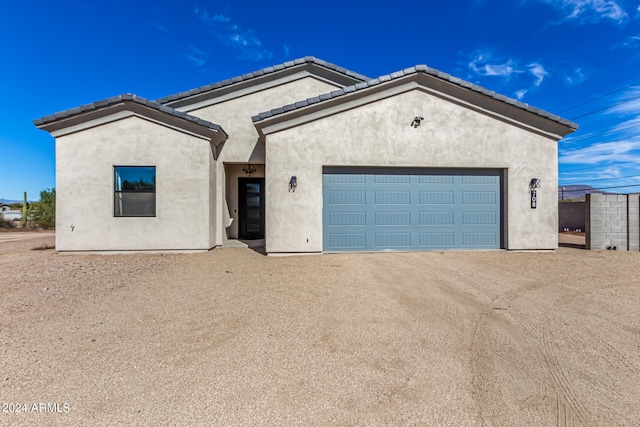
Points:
x=310 y=157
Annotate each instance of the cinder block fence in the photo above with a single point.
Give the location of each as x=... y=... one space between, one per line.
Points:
x=613 y=221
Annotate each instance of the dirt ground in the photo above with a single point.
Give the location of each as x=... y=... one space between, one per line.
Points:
x=231 y=337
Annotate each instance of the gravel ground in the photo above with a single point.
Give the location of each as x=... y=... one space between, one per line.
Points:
x=231 y=337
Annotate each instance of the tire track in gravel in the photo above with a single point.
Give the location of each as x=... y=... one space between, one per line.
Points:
x=568 y=405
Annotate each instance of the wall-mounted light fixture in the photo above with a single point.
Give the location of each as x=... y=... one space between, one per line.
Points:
x=293 y=184
x=533 y=184
x=416 y=121
x=249 y=169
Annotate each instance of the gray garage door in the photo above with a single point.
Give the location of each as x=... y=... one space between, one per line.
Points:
x=411 y=209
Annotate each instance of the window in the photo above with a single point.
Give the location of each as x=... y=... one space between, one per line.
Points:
x=135 y=191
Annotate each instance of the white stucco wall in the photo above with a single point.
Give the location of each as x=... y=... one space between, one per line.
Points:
x=379 y=134
x=85 y=188
x=233 y=113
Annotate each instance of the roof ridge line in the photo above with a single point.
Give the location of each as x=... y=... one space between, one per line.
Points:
x=421 y=68
x=264 y=71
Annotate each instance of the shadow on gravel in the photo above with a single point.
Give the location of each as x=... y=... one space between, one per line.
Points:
x=572 y=245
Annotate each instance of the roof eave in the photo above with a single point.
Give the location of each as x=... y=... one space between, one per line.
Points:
x=439 y=83
x=81 y=117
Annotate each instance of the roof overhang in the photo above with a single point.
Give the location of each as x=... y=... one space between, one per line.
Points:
x=123 y=106
x=417 y=78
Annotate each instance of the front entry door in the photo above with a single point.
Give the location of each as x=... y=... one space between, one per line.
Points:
x=251 y=203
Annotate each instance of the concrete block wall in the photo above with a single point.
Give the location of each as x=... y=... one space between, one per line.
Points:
x=571 y=215
x=633 y=213
x=613 y=221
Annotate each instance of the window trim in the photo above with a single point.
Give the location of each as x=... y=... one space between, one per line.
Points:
x=116 y=192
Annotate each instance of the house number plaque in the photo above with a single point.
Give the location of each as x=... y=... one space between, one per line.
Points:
x=534 y=199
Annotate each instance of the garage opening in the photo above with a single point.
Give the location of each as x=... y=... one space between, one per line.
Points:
x=406 y=209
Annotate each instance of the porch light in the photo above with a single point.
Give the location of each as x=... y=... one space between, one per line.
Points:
x=249 y=169
x=416 y=121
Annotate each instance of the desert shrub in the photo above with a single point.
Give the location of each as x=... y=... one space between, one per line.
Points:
x=43 y=212
x=5 y=223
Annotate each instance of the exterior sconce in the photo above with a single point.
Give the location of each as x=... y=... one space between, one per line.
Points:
x=293 y=184
x=416 y=121
x=249 y=169
x=535 y=183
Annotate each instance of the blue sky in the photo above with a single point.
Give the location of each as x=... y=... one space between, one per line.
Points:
x=576 y=58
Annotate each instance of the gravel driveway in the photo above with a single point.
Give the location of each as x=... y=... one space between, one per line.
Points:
x=231 y=337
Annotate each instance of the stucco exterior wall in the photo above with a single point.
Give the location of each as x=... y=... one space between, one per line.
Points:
x=379 y=134
x=243 y=145
x=234 y=115
x=85 y=188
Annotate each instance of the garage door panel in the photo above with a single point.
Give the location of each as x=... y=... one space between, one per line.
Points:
x=392 y=218
x=436 y=218
x=348 y=218
x=410 y=209
x=479 y=197
x=345 y=197
x=392 y=240
x=392 y=179
x=480 y=240
x=387 y=197
x=436 y=240
x=479 y=218
x=348 y=241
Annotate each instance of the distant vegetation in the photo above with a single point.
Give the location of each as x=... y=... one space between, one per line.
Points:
x=43 y=212
x=40 y=214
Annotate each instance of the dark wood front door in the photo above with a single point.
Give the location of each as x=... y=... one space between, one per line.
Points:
x=251 y=203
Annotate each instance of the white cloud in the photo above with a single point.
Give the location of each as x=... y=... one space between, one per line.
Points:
x=538 y=72
x=620 y=151
x=484 y=64
x=210 y=19
x=481 y=66
x=591 y=11
x=575 y=77
x=628 y=103
x=243 y=41
x=195 y=55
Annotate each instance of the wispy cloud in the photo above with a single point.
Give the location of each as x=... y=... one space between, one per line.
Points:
x=590 y=11
x=211 y=19
x=538 y=72
x=243 y=41
x=617 y=143
x=632 y=42
x=483 y=63
x=195 y=55
x=628 y=103
x=619 y=151
x=575 y=77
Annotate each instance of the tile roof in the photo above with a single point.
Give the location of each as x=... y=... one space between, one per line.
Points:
x=121 y=98
x=408 y=71
x=264 y=71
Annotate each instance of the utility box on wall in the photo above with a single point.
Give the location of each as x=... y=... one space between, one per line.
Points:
x=613 y=222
